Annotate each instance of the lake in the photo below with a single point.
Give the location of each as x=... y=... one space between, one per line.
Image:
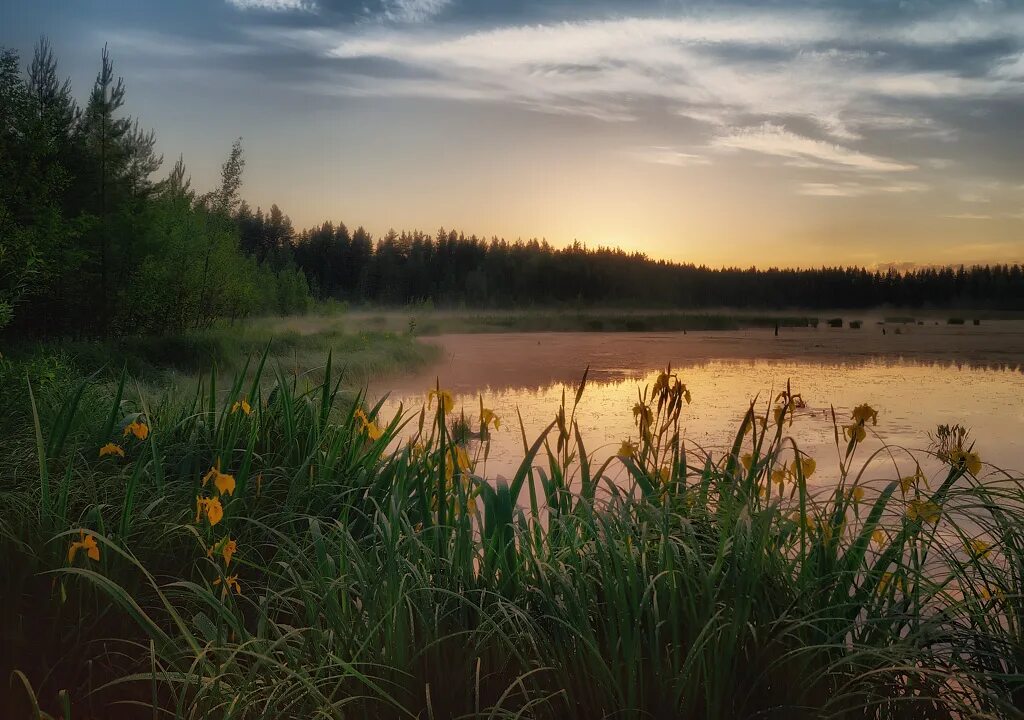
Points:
x=914 y=388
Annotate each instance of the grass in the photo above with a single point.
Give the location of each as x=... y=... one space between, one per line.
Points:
x=381 y=578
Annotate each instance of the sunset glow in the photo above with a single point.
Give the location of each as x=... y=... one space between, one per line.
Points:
x=718 y=133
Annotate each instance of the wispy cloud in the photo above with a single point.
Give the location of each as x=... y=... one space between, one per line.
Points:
x=711 y=67
x=770 y=139
x=413 y=11
x=663 y=155
x=274 y=5
x=859 y=189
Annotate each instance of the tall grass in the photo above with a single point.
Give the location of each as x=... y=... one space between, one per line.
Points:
x=376 y=575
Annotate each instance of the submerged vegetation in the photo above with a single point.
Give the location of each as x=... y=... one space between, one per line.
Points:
x=271 y=550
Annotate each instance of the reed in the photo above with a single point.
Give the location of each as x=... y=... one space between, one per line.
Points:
x=269 y=548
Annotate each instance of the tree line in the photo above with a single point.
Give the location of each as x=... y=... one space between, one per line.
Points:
x=450 y=268
x=91 y=243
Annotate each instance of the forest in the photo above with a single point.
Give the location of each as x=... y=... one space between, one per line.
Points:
x=92 y=244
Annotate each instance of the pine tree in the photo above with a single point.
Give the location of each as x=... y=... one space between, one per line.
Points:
x=105 y=133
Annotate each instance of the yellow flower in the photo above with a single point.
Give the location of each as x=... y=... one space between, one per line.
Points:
x=458 y=459
x=488 y=418
x=779 y=476
x=863 y=413
x=878 y=537
x=225 y=483
x=857 y=493
x=461 y=458
x=210 y=507
x=642 y=415
x=806 y=520
x=855 y=433
x=780 y=413
x=373 y=431
x=226 y=547
x=231 y=582
x=444 y=400
x=964 y=460
x=665 y=473
x=808 y=466
x=242 y=405
x=661 y=384
x=627 y=449
x=979 y=548
x=222 y=481
x=137 y=428
x=746 y=460
x=923 y=510
x=111 y=449
x=87 y=543
x=988 y=592
x=371 y=428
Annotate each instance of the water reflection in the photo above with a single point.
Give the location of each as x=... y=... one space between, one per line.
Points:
x=528 y=374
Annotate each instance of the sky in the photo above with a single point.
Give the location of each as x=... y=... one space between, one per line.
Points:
x=737 y=132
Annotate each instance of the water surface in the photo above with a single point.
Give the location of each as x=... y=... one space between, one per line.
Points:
x=528 y=373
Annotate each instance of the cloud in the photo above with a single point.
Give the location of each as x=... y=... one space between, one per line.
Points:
x=717 y=68
x=770 y=139
x=662 y=155
x=274 y=5
x=859 y=189
x=413 y=11
x=842 y=90
x=967 y=216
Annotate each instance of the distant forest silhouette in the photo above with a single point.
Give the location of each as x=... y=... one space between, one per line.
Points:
x=451 y=268
x=93 y=243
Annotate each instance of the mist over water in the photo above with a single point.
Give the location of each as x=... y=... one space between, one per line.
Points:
x=528 y=375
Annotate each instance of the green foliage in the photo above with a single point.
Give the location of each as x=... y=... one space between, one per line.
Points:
x=91 y=243
x=383 y=578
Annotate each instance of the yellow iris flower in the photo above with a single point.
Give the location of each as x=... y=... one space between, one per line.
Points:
x=808 y=466
x=211 y=508
x=137 y=428
x=964 y=460
x=231 y=582
x=371 y=428
x=488 y=418
x=856 y=432
x=979 y=548
x=863 y=413
x=87 y=543
x=224 y=483
x=242 y=405
x=226 y=547
x=627 y=449
x=924 y=510
x=111 y=449
x=444 y=399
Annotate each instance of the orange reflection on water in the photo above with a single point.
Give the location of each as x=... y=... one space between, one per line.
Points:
x=912 y=399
